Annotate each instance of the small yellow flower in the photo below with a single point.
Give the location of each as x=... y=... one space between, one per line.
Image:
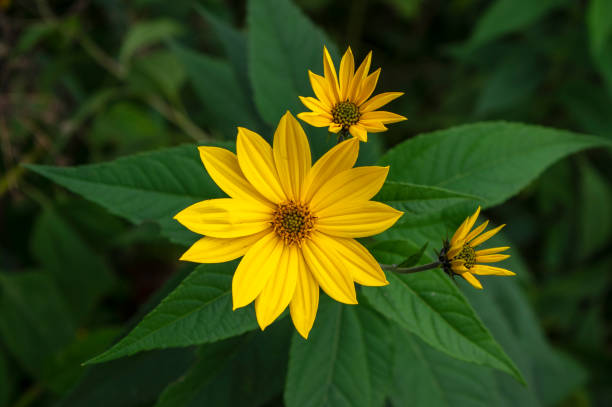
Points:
x=459 y=257
x=295 y=224
x=346 y=104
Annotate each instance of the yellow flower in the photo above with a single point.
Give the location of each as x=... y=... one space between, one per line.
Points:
x=459 y=257
x=345 y=104
x=294 y=224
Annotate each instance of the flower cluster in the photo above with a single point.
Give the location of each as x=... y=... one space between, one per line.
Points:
x=295 y=223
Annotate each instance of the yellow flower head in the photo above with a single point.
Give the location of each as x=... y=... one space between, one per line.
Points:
x=346 y=104
x=295 y=224
x=459 y=256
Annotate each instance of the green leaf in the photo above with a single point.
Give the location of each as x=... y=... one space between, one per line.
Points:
x=419 y=199
x=133 y=382
x=165 y=71
x=283 y=45
x=246 y=371
x=493 y=160
x=198 y=311
x=145 y=34
x=379 y=343
x=331 y=367
x=507 y=16
x=430 y=305
x=81 y=274
x=414 y=258
x=144 y=187
x=599 y=21
x=423 y=376
x=234 y=43
x=227 y=103
x=34 y=320
x=595 y=219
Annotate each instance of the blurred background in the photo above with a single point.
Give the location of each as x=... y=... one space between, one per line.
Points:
x=86 y=81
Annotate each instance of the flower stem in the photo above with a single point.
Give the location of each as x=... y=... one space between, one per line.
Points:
x=409 y=270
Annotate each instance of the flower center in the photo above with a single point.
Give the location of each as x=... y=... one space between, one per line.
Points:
x=346 y=114
x=293 y=222
x=468 y=255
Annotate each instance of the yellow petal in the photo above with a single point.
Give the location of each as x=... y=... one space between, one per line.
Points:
x=354 y=184
x=257 y=164
x=222 y=166
x=279 y=289
x=315 y=119
x=472 y=280
x=465 y=227
x=357 y=219
x=216 y=250
x=341 y=157
x=360 y=75
x=316 y=106
x=493 y=250
x=347 y=69
x=331 y=273
x=379 y=101
x=361 y=264
x=373 y=126
x=291 y=155
x=382 y=116
x=490 y=270
x=319 y=87
x=359 y=132
x=476 y=231
x=226 y=217
x=335 y=128
x=367 y=87
x=491 y=258
x=255 y=269
x=305 y=299
x=330 y=76
x=485 y=236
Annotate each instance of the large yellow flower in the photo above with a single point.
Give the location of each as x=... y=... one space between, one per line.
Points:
x=294 y=224
x=459 y=256
x=346 y=104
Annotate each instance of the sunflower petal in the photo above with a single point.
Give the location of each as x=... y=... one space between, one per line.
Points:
x=225 y=217
x=216 y=250
x=335 y=128
x=361 y=264
x=305 y=299
x=330 y=76
x=492 y=250
x=338 y=159
x=222 y=166
x=331 y=273
x=483 y=270
x=359 y=132
x=291 y=155
x=354 y=184
x=382 y=116
x=465 y=227
x=278 y=291
x=477 y=231
x=373 y=126
x=257 y=164
x=255 y=269
x=485 y=236
x=316 y=106
x=379 y=101
x=357 y=219
x=367 y=87
x=347 y=69
x=472 y=280
x=315 y=119
x=360 y=75
x=491 y=258
x=319 y=87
